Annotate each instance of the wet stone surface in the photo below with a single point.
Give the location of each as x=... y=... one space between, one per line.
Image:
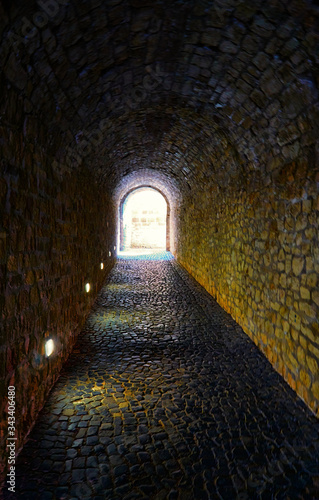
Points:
x=164 y=397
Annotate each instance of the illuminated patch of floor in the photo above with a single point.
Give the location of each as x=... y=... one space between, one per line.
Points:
x=145 y=254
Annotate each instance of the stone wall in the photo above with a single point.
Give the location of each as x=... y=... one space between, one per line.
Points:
x=54 y=234
x=148 y=229
x=148 y=234
x=256 y=252
x=156 y=94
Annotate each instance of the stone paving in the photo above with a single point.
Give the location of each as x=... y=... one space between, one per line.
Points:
x=145 y=254
x=165 y=397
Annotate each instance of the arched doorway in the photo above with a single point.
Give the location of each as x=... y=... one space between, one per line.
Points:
x=144 y=220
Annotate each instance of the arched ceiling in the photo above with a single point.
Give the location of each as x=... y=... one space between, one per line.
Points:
x=164 y=183
x=217 y=89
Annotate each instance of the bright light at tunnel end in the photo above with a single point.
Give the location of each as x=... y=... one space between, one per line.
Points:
x=143 y=217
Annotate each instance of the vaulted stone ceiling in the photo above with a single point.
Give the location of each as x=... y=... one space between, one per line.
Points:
x=124 y=86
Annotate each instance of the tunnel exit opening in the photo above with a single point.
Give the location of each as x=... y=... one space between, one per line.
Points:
x=144 y=214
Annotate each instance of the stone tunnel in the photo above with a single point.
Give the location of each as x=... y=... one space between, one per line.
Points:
x=214 y=103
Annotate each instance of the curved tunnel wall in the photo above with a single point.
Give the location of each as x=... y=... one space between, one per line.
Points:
x=256 y=252
x=54 y=235
x=216 y=104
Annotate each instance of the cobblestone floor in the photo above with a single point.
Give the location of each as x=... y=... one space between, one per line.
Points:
x=164 y=397
x=145 y=254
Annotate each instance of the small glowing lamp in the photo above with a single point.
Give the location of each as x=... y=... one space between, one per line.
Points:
x=49 y=347
x=110 y=254
x=87 y=287
x=102 y=265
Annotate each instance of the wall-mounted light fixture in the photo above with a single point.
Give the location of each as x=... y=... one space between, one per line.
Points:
x=87 y=287
x=49 y=347
x=110 y=253
x=102 y=265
